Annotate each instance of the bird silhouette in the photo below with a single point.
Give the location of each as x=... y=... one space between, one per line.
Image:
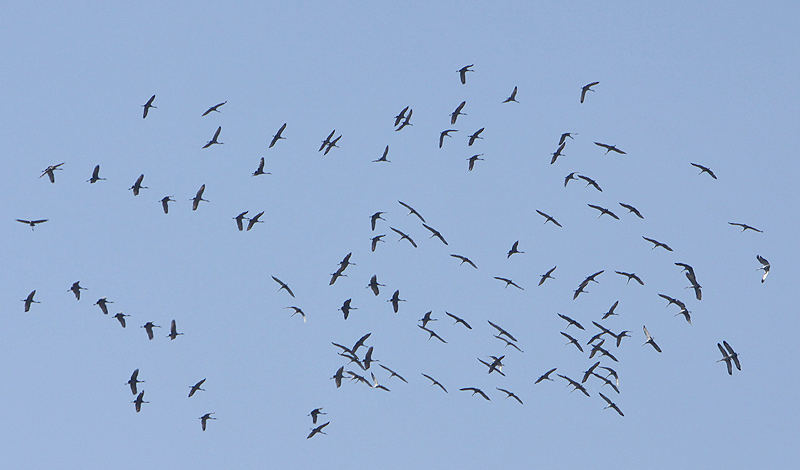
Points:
x=546 y=376
x=32 y=223
x=704 y=169
x=548 y=218
x=283 y=286
x=547 y=275
x=502 y=331
x=575 y=385
x=376 y=239
x=337 y=377
x=374 y=218
x=611 y=404
x=435 y=382
x=630 y=276
x=632 y=209
x=346 y=307
x=650 y=339
x=610 y=148
x=165 y=203
x=427 y=318
x=764 y=267
x=315 y=414
x=198 y=197
x=331 y=145
x=657 y=244
x=458 y=320
x=572 y=340
x=400 y=116
x=95 y=175
x=173 y=331
x=510 y=394
x=473 y=159
x=464 y=259
x=590 y=181
x=148 y=327
x=133 y=381
x=404 y=236
x=277 y=136
x=148 y=105
x=446 y=133
x=393 y=373
x=475 y=390
x=214 y=139
x=260 y=169
x=475 y=136
x=139 y=400
x=406 y=121
x=373 y=284
x=609 y=313
x=383 y=157
x=102 y=304
x=558 y=153
x=746 y=227
x=137 y=186
x=121 y=318
x=254 y=220
x=240 y=220
x=76 y=289
x=512 y=97
x=564 y=136
x=395 y=300
x=455 y=114
x=462 y=73
x=514 y=249
x=411 y=210
x=205 y=418
x=196 y=388
x=571 y=322
x=435 y=233
x=508 y=282
x=586 y=88
x=50 y=171
x=431 y=334
x=603 y=211
x=29 y=300
x=214 y=108
x=327 y=141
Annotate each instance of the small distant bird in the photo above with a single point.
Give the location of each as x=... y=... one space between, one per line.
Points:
x=338 y=376
x=336 y=275
x=697 y=288
x=588 y=373
x=315 y=414
x=331 y=145
x=393 y=373
x=590 y=181
x=508 y=282
x=502 y=331
x=198 y=197
x=373 y=284
x=346 y=307
x=464 y=259
x=345 y=262
x=400 y=116
x=462 y=72
x=138 y=185
x=147 y=107
x=475 y=390
x=575 y=385
x=196 y=388
x=317 y=430
x=728 y=356
x=383 y=157
x=102 y=304
x=458 y=320
x=446 y=133
x=571 y=322
x=657 y=244
x=29 y=300
x=630 y=276
x=508 y=343
x=283 y=286
x=395 y=300
x=610 y=148
x=650 y=339
x=254 y=220
x=704 y=169
x=139 y=399
x=454 y=115
x=435 y=233
x=572 y=341
x=432 y=334
x=611 y=404
x=558 y=153
x=95 y=175
x=76 y=289
x=406 y=121
x=133 y=381
x=50 y=171
x=764 y=267
x=564 y=136
x=376 y=239
x=546 y=376
x=173 y=331
x=165 y=203
x=475 y=135
x=260 y=169
x=277 y=136
x=586 y=88
x=32 y=223
x=214 y=139
x=603 y=211
x=427 y=318
x=148 y=327
x=205 y=418
x=632 y=209
x=435 y=382
x=214 y=108
x=374 y=218
x=514 y=249
x=548 y=218
x=121 y=318
x=473 y=159
x=510 y=394
x=327 y=141
x=513 y=97
x=547 y=275
x=411 y=210
x=240 y=220
x=404 y=236
x=746 y=227
x=609 y=313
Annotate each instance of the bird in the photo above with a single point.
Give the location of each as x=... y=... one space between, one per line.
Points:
x=139 y=400
x=277 y=136
x=572 y=341
x=650 y=339
x=630 y=276
x=733 y=355
x=327 y=141
x=603 y=211
x=198 y=197
x=510 y=394
x=464 y=259
x=446 y=133
x=548 y=218
x=335 y=276
x=610 y=148
x=137 y=186
x=571 y=322
x=611 y=372
x=254 y=220
x=283 y=286
x=376 y=239
x=598 y=347
x=473 y=159
x=148 y=327
x=32 y=223
x=345 y=262
x=606 y=381
x=611 y=404
x=547 y=275
x=76 y=289
x=657 y=244
x=383 y=157
x=411 y=210
x=49 y=171
x=475 y=135
x=435 y=233
x=133 y=381
x=173 y=331
x=427 y=318
x=373 y=284
x=95 y=175
x=395 y=300
x=432 y=334
x=359 y=343
x=121 y=318
x=214 y=139
x=546 y=376
x=697 y=292
x=196 y=388
x=590 y=181
x=205 y=418
x=587 y=373
x=148 y=105
x=514 y=249
x=610 y=312
x=512 y=97
x=502 y=331
x=240 y=220
x=458 y=320
x=403 y=235
x=165 y=201
x=315 y=414
x=374 y=218
x=346 y=307
x=746 y=227
x=260 y=169
x=632 y=209
x=586 y=88
x=375 y=383
x=508 y=282
x=580 y=290
x=764 y=267
x=331 y=145
x=317 y=430
x=564 y=136
x=393 y=373
x=406 y=121
x=574 y=384
x=508 y=343
x=213 y=108
x=400 y=116
x=475 y=390
x=102 y=304
x=338 y=377
x=434 y=382
x=704 y=169
x=368 y=358
x=728 y=356
x=462 y=72
x=558 y=153
x=725 y=357
x=454 y=115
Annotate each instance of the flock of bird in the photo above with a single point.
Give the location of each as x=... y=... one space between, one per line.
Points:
x=362 y=355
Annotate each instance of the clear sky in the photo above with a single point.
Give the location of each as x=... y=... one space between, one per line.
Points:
x=713 y=83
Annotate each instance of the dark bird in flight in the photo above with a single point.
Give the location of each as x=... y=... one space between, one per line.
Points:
x=95 y=175
x=214 y=139
x=196 y=387
x=510 y=394
x=205 y=418
x=608 y=314
x=502 y=331
x=728 y=356
x=474 y=391
x=704 y=169
x=590 y=181
x=148 y=327
x=121 y=318
x=283 y=286
x=514 y=249
x=346 y=307
x=657 y=244
x=345 y=262
x=564 y=136
x=435 y=382
x=403 y=235
x=102 y=304
x=359 y=343
x=373 y=284
x=393 y=373
x=462 y=72
x=198 y=197
x=764 y=267
x=432 y=334
x=374 y=218
x=49 y=171
x=427 y=318
x=395 y=300
x=672 y=300
x=411 y=210
x=458 y=320
x=406 y=121
x=327 y=141
x=138 y=185
x=254 y=220
x=133 y=381
x=260 y=169
x=693 y=280
x=165 y=203
x=338 y=376
x=335 y=276
x=277 y=136
x=317 y=430
x=611 y=372
x=315 y=414
x=139 y=400
x=383 y=157
x=546 y=376
x=603 y=211
x=475 y=136
x=508 y=282
x=473 y=159
x=598 y=348
x=76 y=289
x=331 y=145
x=32 y=223
x=29 y=300
x=240 y=220
x=630 y=276
x=572 y=341
x=746 y=227
x=214 y=108
x=587 y=373
x=650 y=339
x=376 y=239
x=508 y=343
x=547 y=275
x=435 y=233
x=446 y=133
x=147 y=107
x=513 y=97
x=400 y=116
x=593 y=277
x=464 y=259
x=558 y=153
x=611 y=404
x=454 y=115
x=580 y=290
x=375 y=383
x=548 y=218
x=610 y=148
x=586 y=88
x=632 y=209
x=575 y=385
x=571 y=322
x=173 y=331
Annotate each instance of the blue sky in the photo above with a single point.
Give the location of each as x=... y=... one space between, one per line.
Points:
x=713 y=84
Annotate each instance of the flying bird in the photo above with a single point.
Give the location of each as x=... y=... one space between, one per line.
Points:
x=575 y=385
x=32 y=223
x=454 y=115
x=608 y=314
x=558 y=153
x=704 y=169
x=515 y=249
x=611 y=404
x=400 y=116
x=277 y=136
x=464 y=259
x=403 y=235
x=121 y=318
x=214 y=108
x=76 y=289
x=173 y=331
x=165 y=203
x=446 y=133
x=133 y=381
x=139 y=399
x=435 y=233
x=138 y=185
x=586 y=88
x=406 y=121
x=260 y=169
x=411 y=210
x=395 y=300
x=572 y=341
x=632 y=209
x=148 y=327
x=331 y=145
x=427 y=318
x=383 y=157
x=374 y=218
x=697 y=292
x=502 y=331
x=147 y=107
x=610 y=148
x=373 y=284
x=198 y=197
x=475 y=135
x=376 y=239
x=393 y=373
x=95 y=175
x=434 y=382
x=590 y=181
x=513 y=97
x=346 y=307
x=571 y=322
x=475 y=390
x=283 y=286
x=327 y=141
x=508 y=343
x=254 y=220
x=510 y=394
x=546 y=376
x=508 y=282
x=630 y=276
x=338 y=377
x=29 y=300
x=458 y=320
x=764 y=267
x=317 y=430
x=102 y=304
x=548 y=218
x=315 y=414
x=196 y=388
x=214 y=139
x=547 y=275
x=50 y=171
x=650 y=339
x=462 y=72
x=588 y=373
x=473 y=159
x=564 y=136
x=728 y=356
x=205 y=418
x=240 y=220
x=657 y=244
x=603 y=211
x=431 y=334
x=746 y=227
